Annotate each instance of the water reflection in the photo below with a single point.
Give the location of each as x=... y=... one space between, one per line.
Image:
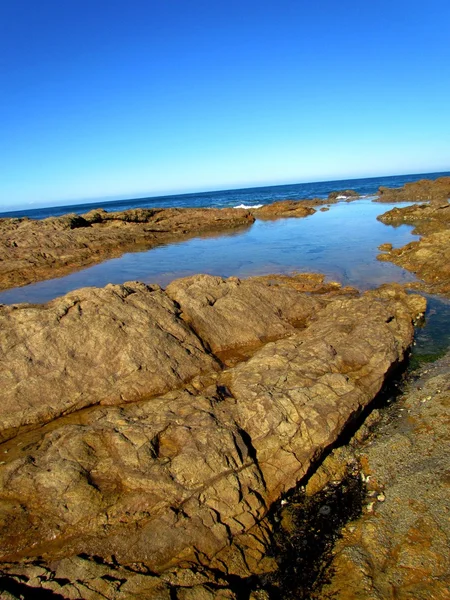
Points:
x=341 y=243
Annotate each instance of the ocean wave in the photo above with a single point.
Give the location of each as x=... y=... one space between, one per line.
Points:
x=248 y=206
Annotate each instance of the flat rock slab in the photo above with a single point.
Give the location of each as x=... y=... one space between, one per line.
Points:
x=185 y=479
x=233 y=313
x=113 y=345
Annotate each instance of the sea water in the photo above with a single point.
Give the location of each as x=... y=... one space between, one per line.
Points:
x=248 y=197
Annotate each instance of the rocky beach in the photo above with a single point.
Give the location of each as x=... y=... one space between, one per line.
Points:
x=184 y=442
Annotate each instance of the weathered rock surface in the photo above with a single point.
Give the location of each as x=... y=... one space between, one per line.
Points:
x=113 y=345
x=232 y=313
x=426 y=218
x=428 y=258
x=182 y=481
x=34 y=250
x=437 y=190
x=399 y=548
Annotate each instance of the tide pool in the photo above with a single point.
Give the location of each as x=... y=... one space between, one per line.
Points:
x=340 y=243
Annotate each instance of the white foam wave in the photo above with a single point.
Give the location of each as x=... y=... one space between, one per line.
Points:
x=248 y=206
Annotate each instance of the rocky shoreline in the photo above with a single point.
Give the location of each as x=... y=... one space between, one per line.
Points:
x=183 y=480
x=35 y=250
x=180 y=443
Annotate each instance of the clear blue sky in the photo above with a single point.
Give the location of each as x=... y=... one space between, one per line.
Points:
x=134 y=97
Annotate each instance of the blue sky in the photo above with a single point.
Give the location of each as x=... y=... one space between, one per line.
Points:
x=114 y=98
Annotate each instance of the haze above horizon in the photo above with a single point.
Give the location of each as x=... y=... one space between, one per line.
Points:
x=109 y=100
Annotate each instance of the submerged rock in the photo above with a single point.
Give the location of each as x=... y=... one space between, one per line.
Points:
x=167 y=497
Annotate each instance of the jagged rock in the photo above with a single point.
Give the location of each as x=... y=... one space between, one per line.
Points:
x=182 y=480
x=437 y=190
x=348 y=195
x=33 y=250
x=113 y=345
x=428 y=258
x=426 y=218
x=399 y=547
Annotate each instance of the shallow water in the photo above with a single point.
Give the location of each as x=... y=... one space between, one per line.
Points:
x=341 y=243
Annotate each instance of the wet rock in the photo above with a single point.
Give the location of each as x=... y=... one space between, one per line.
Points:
x=33 y=250
x=385 y=247
x=348 y=195
x=184 y=480
x=428 y=258
x=426 y=218
x=399 y=549
x=113 y=345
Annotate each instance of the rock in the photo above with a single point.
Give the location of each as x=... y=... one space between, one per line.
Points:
x=284 y=208
x=303 y=389
x=400 y=549
x=113 y=345
x=33 y=250
x=183 y=481
x=385 y=247
x=229 y=314
x=348 y=195
x=437 y=190
x=428 y=258
x=427 y=218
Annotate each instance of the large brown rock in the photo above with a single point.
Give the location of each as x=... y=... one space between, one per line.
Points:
x=33 y=250
x=231 y=313
x=113 y=345
x=181 y=480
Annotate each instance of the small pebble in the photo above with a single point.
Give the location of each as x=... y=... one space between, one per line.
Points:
x=381 y=497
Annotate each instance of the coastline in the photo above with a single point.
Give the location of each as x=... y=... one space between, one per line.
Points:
x=161 y=426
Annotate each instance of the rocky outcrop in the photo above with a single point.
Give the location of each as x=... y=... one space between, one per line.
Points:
x=428 y=258
x=166 y=496
x=399 y=547
x=34 y=250
x=426 y=218
x=437 y=190
x=284 y=208
x=348 y=195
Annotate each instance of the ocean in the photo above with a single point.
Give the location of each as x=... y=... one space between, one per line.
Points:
x=248 y=197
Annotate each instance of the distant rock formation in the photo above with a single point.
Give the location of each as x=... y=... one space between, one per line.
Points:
x=437 y=190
